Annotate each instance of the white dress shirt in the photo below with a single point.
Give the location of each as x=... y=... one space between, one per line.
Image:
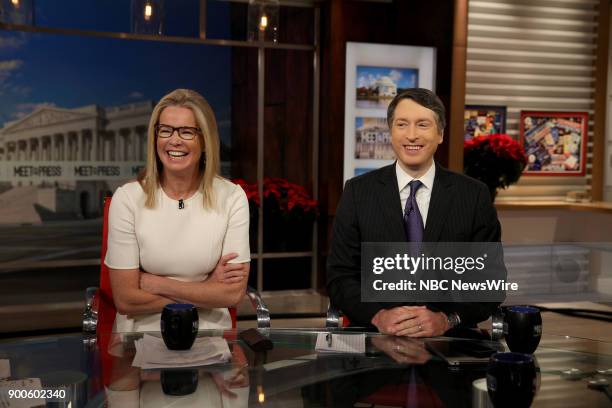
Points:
x=423 y=195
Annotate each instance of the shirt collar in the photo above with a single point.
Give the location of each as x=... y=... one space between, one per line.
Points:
x=404 y=178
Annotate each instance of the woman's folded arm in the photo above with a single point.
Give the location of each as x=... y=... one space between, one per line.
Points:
x=129 y=298
x=213 y=292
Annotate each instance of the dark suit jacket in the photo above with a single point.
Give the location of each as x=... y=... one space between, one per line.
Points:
x=370 y=210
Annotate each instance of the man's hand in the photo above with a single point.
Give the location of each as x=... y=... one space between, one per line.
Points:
x=386 y=320
x=226 y=272
x=412 y=321
x=422 y=323
x=402 y=349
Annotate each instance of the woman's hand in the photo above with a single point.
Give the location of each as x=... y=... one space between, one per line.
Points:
x=226 y=272
x=224 y=286
x=240 y=377
x=225 y=386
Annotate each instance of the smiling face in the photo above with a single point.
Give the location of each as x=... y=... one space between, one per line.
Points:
x=414 y=136
x=178 y=156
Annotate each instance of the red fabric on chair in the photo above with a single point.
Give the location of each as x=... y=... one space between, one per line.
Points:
x=106 y=305
x=234 y=316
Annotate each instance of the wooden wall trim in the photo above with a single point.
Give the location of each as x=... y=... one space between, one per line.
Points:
x=601 y=96
x=457 y=105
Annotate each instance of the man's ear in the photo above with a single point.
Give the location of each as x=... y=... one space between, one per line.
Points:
x=441 y=137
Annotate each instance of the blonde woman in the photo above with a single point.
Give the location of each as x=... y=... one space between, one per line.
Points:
x=181 y=232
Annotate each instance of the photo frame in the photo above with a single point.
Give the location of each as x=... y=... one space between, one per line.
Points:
x=483 y=120
x=375 y=73
x=554 y=142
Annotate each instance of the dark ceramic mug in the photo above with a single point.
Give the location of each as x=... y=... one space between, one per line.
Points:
x=179 y=325
x=522 y=328
x=511 y=380
x=179 y=382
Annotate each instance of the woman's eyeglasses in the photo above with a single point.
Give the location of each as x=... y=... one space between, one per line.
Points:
x=184 y=132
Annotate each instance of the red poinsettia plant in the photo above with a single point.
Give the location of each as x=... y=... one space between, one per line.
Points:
x=250 y=190
x=497 y=160
x=281 y=195
x=289 y=214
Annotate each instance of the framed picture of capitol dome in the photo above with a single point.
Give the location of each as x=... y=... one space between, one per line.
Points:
x=375 y=74
x=377 y=86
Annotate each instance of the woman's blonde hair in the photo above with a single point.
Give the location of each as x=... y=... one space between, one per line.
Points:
x=209 y=140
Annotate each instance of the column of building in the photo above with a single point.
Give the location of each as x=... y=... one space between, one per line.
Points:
x=141 y=132
x=125 y=144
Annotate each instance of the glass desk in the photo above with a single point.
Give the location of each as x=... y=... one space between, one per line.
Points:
x=393 y=372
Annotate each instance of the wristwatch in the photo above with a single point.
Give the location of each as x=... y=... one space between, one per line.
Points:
x=453 y=320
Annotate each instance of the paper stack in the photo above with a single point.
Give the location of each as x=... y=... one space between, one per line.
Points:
x=151 y=352
x=341 y=343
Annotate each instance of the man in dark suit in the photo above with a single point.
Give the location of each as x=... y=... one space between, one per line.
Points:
x=414 y=199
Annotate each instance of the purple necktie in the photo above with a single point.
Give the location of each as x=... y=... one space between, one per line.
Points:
x=413 y=223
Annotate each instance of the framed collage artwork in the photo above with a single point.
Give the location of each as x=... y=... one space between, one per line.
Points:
x=479 y=120
x=554 y=142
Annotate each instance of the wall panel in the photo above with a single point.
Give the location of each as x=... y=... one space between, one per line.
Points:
x=534 y=55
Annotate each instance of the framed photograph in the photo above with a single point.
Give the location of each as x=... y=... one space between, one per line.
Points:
x=376 y=86
x=554 y=142
x=375 y=73
x=373 y=139
x=483 y=120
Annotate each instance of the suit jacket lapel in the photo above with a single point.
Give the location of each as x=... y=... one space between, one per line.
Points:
x=442 y=197
x=391 y=205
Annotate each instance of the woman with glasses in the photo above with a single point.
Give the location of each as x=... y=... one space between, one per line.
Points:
x=180 y=233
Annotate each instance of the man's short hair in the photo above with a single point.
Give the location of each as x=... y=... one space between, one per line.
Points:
x=423 y=97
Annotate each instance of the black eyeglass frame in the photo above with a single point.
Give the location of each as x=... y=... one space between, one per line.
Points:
x=177 y=129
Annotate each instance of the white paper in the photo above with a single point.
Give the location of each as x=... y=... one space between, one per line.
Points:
x=25 y=384
x=5 y=369
x=341 y=343
x=151 y=352
x=290 y=362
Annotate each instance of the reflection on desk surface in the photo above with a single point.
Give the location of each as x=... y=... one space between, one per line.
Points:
x=393 y=372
